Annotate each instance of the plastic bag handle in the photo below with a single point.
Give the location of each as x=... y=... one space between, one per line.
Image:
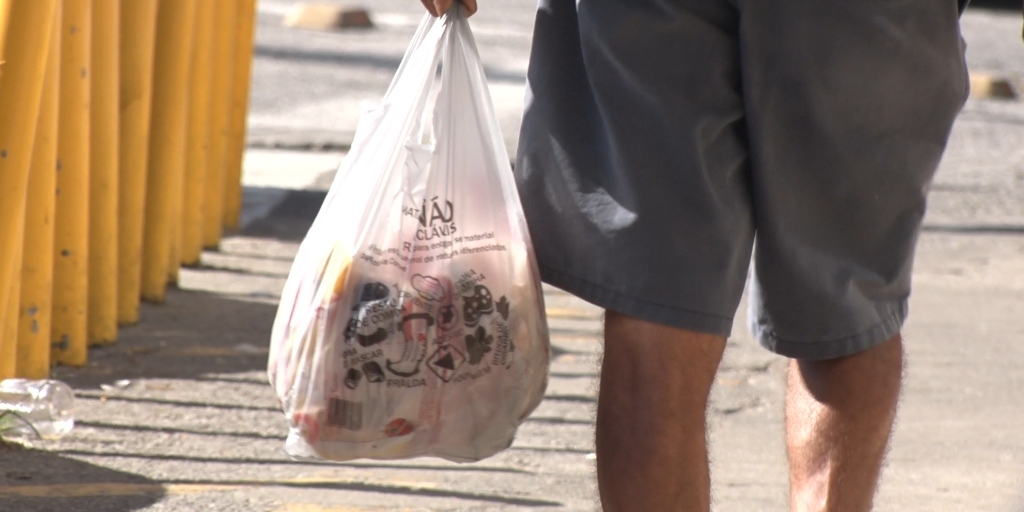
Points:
x=418 y=39
x=461 y=47
x=407 y=96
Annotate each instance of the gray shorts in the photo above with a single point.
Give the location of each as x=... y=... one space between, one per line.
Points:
x=662 y=137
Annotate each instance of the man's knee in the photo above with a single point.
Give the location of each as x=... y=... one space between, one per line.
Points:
x=880 y=367
x=645 y=359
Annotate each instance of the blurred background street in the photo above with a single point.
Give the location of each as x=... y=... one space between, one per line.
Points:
x=178 y=416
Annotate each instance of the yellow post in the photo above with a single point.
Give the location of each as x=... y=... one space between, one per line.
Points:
x=9 y=330
x=175 y=23
x=5 y=7
x=138 y=40
x=176 y=191
x=223 y=54
x=71 y=236
x=8 y=240
x=21 y=89
x=239 y=113
x=103 y=157
x=198 y=136
x=33 y=361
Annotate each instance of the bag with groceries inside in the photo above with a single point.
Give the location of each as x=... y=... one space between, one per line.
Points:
x=412 y=322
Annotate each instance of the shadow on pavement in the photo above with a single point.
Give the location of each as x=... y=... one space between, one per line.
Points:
x=1012 y=5
x=190 y=335
x=291 y=218
x=384 y=489
x=348 y=59
x=173 y=430
x=976 y=229
x=40 y=481
x=217 y=340
x=278 y=462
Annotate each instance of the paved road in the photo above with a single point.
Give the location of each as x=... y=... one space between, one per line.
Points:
x=309 y=88
x=177 y=415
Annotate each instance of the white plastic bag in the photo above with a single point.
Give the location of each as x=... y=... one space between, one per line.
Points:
x=412 y=322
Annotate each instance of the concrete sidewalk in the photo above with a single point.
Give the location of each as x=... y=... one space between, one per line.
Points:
x=196 y=428
x=178 y=417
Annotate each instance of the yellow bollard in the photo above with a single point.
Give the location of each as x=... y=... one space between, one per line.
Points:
x=33 y=360
x=198 y=136
x=5 y=7
x=177 y=192
x=8 y=240
x=138 y=40
x=239 y=113
x=69 y=330
x=21 y=89
x=9 y=330
x=223 y=55
x=103 y=155
x=175 y=23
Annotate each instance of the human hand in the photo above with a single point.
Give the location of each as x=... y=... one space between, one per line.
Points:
x=439 y=7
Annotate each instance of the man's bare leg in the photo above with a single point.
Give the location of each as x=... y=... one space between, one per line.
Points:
x=651 y=435
x=839 y=415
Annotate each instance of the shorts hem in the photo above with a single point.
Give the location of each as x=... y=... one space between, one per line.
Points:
x=888 y=327
x=645 y=310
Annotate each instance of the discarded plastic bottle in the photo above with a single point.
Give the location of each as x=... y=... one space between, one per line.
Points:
x=36 y=408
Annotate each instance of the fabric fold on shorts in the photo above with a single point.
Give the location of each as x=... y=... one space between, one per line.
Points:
x=639 y=308
x=816 y=350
